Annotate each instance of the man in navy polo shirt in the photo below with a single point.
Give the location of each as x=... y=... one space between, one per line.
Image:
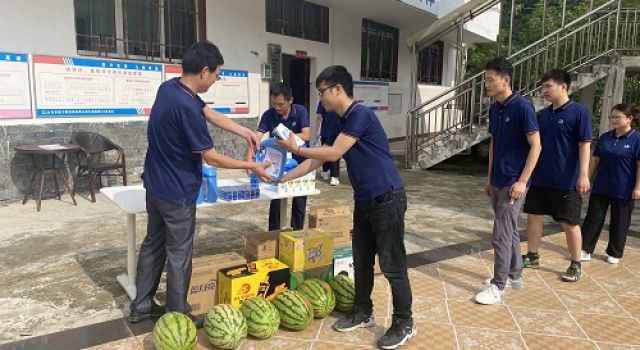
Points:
x=296 y=118
x=328 y=124
x=562 y=173
x=513 y=153
x=178 y=141
x=380 y=204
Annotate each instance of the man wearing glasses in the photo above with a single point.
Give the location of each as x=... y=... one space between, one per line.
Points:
x=380 y=204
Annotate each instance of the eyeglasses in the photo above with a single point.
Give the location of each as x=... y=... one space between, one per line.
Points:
x=617 y=116
x=321 y=91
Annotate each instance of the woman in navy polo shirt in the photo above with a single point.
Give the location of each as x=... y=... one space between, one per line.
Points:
x=617 y=184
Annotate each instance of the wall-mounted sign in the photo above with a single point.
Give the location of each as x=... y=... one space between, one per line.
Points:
x=228 y=95
x=80 y=87
x=372 y=94
x=15 y=94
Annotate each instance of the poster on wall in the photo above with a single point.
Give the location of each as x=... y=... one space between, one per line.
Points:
x=15 y=96
x=79 y=87
x=372 y=94
x=229 y=95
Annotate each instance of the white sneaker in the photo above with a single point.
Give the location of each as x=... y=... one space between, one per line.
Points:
x=515 y=284
x=612 y=260
x=584 y=256
x=491 y=295
x=334 y=181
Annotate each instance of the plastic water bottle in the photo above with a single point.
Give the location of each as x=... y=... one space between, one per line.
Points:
x=209 y=184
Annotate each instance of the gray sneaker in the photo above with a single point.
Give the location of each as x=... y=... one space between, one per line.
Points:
x=398 y=334
x=356 y=319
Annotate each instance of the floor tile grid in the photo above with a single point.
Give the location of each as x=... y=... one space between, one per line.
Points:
x=615 y=300
x=446 y=303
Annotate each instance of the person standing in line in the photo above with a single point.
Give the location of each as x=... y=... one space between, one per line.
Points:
x=178 y=141
x=562 y=173
x=616 y=160
x=380 y=204
x=328 y=123
x=513 y=152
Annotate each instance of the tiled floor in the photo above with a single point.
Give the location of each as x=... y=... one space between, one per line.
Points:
x=602 y=311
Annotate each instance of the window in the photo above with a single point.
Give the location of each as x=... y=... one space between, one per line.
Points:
x=156 y=30
x=379 y=52
x=430 y=61
x=298 y=18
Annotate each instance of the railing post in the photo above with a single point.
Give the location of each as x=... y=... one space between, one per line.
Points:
x=615 y=38
x=473 y=104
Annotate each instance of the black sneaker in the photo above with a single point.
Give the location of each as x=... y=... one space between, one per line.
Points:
x=400 y=331
x=197 y=320
x=156 y=311
x=356 y=319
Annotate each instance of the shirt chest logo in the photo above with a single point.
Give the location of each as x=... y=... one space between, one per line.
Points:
x=560 y=121
x=507 y=119
x=293 y=124
x=626 y=146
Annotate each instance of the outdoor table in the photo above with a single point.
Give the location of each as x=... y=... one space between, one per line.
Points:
x=43 y=169
x=131 y=200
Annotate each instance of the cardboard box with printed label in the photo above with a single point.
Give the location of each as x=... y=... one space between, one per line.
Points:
x=204 y=277
x=324 y=273
x=264 y=278
x=304 y=250
x=335 y=219
x=262 y=245
x=343 y=261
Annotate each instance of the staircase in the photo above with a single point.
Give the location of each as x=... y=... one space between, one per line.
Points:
x=457 y=119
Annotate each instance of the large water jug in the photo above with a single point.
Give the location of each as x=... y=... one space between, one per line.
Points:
x=209 y=184
x=270 y=152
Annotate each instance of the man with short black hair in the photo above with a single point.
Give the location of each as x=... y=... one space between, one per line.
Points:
x=513 y=153
x=380 y=204
x=296 y=118
x=562 y=173
x=178 y=142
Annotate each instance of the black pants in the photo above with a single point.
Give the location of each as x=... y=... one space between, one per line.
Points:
x=621 y=210
x=298 y=210
x=170 y=233
x=332 y=167
x=378 y=227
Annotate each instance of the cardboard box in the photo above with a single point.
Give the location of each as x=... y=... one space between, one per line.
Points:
x=264 y=278
x=204 y=277
x=304 y=250
x=335 y=219
x=324 y=273
x=264 y=245
x=343 y=261
x=344 y=251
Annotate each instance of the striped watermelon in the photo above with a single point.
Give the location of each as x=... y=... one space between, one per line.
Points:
x=174 y=331
x=295 y=310
x=225 y=326
x=345 y=292
x=262 y=317
x=321 y=296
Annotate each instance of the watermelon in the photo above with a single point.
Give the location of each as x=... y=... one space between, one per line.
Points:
x=344 y=291
x=262 y=317
x=225 y=326
x=295 y=310
x=174 y=331
x=321 y=296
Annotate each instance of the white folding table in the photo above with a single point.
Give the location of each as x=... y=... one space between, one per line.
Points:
x=131 y=200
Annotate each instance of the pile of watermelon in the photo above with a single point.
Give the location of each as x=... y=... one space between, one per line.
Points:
x=226 y=326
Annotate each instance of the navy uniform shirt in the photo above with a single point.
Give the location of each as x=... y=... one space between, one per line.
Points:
x=560 y=132
x=371 y=169
x=177 y=135
x=330 y=127
x=509 y=124
x=297 y=120
x=619 y=158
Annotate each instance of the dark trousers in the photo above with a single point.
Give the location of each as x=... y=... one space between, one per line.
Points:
x=170 y=234
x=621 y=210
x=378 y=227
x=298 y=210
x=332 y=167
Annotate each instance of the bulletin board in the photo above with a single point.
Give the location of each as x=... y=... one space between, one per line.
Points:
x=15 y=94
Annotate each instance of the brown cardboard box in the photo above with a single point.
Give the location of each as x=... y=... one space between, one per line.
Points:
x=203 y=288
x=264 y=245
x=265 y=278
x=335 y=219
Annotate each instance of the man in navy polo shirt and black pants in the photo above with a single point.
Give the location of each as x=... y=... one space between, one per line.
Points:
x=513 y=153
x=178 y=141
x=296 y=118
x=328 y=124
x=380 y=204
x=562 y=173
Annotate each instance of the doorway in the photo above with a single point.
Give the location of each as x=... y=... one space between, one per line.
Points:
x=296 y=73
